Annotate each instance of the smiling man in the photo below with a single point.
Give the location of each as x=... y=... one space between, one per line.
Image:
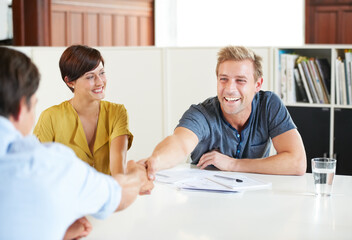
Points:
x=234 y=130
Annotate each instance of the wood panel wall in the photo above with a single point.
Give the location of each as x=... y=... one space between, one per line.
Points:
x=329 y=21
x=102 y=23
x=31 y=22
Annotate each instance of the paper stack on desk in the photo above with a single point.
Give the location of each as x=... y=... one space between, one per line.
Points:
x=213 y=181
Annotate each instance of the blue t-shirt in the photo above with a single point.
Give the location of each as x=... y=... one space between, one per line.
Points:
x=269 y=118
x=44 y=188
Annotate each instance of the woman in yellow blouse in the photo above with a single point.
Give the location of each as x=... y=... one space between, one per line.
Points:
x=96 y=130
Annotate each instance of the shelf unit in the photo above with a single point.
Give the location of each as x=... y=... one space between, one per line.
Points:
x=313 y=118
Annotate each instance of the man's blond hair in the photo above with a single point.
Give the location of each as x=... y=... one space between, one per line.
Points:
x=240 y=53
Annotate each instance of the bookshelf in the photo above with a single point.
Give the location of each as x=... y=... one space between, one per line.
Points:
x=323 y=120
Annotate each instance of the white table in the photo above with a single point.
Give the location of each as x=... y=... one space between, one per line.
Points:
x=288 y=211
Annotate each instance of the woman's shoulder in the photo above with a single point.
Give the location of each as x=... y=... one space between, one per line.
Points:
x=57 y=110
x=110 y=106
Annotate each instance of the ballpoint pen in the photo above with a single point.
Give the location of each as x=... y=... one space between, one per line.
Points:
x=229 y=178
x=162 y=175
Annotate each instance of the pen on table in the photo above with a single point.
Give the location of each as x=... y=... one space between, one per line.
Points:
x=229 y=178
x=162 y=175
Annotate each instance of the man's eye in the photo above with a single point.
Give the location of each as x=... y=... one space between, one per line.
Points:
x=90 y=77
x=102 y=73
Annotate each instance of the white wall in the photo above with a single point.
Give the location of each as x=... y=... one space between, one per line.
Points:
x=5 y=20
x=156 y=85
x=135 y=80
x=224 y=22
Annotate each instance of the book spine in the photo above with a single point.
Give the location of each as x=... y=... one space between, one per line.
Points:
x=350 y=67
x=316 y=81
x=291 y=86
x=347 y=82
x=342 y=83
x=283 y=81
x=319 y=86
x=305 y=83
x=348 y=60
x=337 y=81
x=310 y=82
x=301 y=92
x=324 y=77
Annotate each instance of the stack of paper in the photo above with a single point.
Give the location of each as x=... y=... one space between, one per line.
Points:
x=213 y=181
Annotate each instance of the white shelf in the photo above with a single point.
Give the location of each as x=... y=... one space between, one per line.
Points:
x=330 y=52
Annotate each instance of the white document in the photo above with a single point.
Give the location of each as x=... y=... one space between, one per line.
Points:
x=205 y=180
x=240 y=182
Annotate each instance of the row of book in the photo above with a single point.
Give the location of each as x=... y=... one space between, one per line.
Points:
x=304 y=79
x=343 y=83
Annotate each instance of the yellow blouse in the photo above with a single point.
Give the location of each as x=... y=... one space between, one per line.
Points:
x=60 y=123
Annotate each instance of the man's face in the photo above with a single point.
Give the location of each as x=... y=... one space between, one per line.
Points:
x=27 y=116
x=236 y=88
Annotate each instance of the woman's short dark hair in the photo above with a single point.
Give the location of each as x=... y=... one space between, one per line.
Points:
x=19 y=78
x=76 y=60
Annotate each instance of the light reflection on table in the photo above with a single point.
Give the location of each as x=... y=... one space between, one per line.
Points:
x=289 y=210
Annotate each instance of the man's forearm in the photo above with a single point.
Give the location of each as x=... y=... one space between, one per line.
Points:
x=169 y=153
x=130 y=186
x=134 y=182
x=282 y=163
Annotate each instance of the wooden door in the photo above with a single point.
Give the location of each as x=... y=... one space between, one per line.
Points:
x=329 y=21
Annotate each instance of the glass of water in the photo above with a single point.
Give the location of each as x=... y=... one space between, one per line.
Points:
x=323 y=172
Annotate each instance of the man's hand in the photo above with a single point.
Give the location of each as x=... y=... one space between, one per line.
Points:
x=149 y=164
x=171 y=151
x=146 y=184
x=217 y=159
x=80 y=228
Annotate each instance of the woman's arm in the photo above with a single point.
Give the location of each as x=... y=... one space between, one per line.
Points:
x=118 y=151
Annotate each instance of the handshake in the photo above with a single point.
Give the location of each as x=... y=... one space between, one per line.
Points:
x=143 y=172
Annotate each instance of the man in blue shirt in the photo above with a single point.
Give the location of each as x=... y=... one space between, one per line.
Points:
x=45 y=190
x=234 y=130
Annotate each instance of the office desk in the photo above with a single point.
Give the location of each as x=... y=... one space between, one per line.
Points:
x=288 y=211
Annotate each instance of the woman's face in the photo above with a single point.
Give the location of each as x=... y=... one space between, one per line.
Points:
x=92 y=84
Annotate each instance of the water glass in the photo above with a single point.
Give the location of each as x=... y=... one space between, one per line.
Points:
x=323 y=170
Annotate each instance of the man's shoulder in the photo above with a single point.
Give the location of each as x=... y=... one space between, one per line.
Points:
x=210 y=106
x=31 y=146
x=267 y=97
x=202 y=117
x=30 y=158
x=209 y=102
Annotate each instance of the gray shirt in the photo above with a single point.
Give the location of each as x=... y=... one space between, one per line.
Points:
x=269 y=118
